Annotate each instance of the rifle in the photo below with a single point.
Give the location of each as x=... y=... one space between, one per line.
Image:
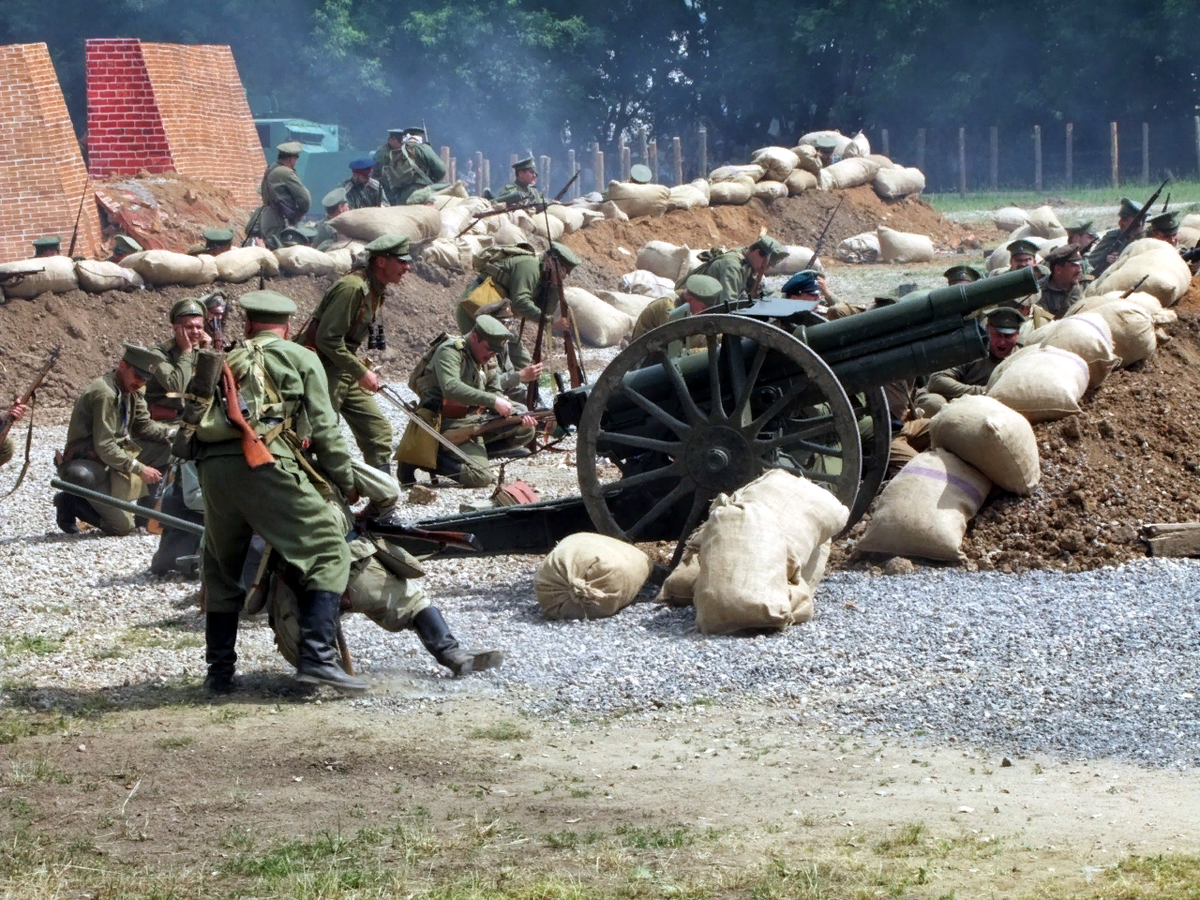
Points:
x=393 y=397
x=821 y=240
x=455 y=540
x=1126 y=236
x=464 y=433
x=532 y=204
x=6 y=422
x=78 y=215
x=253 y=447
x=1133 y=290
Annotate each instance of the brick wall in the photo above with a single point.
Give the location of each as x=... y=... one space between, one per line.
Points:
x=41 y=168
x=171 y=106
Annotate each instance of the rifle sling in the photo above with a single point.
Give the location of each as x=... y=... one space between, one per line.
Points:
x=28 y=450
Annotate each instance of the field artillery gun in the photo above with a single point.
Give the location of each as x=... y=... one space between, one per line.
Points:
x=705 y=404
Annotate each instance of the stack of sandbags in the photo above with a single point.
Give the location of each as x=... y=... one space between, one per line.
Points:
x=160 y=268
x=1130 y=322
x=1148 y=302
x=53 y=274
x=810 y=140
x=243 y=263
x=1088 y=336
x=898 y=181
x=572 y=217
x=769 y=191
x=540 y=223
x=646 y=283
x=861 y=248
x=777 y=162
x=996 y=440
x=664 y=260
x=904 y=247
x=689 y=196
x=590 y=576
x=417 y=223
x=1041 y=383
x=753 y=171
x=925 y=509
x=731 y=193
x=1044 y=223
x=799 y=181
x=639 y=199
x=95 y=276
x=507 y=232
x=809 y=159
x=848 y=173
x=305 y=260
x=631 y=304
x=599 y=324
x=796 y=261
x=1167 y=275
x=1010 y=218
x=858 y=146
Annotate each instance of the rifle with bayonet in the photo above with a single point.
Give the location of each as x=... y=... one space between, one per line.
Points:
x=539 y=205
x=1125 y=238
x=824 y=231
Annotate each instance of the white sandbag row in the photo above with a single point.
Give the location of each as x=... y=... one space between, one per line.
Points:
x=1167 y=275
x=600 y=324
x=159 y=268
x=1088 y=336
x=52 y=274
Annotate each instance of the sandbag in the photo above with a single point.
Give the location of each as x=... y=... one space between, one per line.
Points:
x=542 y=224
x=848 y=173
x=343 y=260
x=1191 y=220
x=1025 y=231
x=95 y=276
x=858 y=146
x=443 y=253
x=731 y=193
x=1131 y=326
x=590 y=576
x=743 y=578
x=898 y=181
x=999 y=258
x=1188 y=237
x=702 y=185
x=160 y=268
x=1146 y=301
x=1088 y=336
x=800 y=181
x=777 y=162
x=646 y=283
x=809 y=158
x=769 y=191
x=1044 y=223
x=679 y=588
x=686 y=196
x=903 y=247
x=599 y=324
x=639 y=199
x=507 y=233
x=304 y=260
x=243 y=263
x=1041 y=383
x=663 y=259
x=1010 y=218
x=884 y=162
x=753 y=171
x=455 y=219
x=861 y=248
x=631 y=304
x=612 y=211
x=1167 y=275
x=796 y=261
x=572 y=218
x=418 y=223
x=840 y=140
x=996 y=440
x=925 y=509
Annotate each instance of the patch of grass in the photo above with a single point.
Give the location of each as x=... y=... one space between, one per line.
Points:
x=26 y=771
x=1167 y=876
x=1181 y=192
x=174 y=742
x=647 y=838
x=38 y=644
x=501 y=731
x=157 y=639
x=907 y=838
x=13 y=727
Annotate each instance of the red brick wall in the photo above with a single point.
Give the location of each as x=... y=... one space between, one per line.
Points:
x=171 y=106
x=41 y=169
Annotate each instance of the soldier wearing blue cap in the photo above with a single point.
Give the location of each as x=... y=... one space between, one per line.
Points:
x=107 y=420
x=280 y=385
x=1106 y=246
x=362 y=189
x=285 y=198
x=348 y=316
x=523 y=187
x=409 y=170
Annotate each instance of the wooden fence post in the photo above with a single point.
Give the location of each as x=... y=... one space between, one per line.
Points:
x=445 y=155
x=1145 y=153
x=478 y=172
x=677 y=147
x=962 y=161
x=652 y=149
x=702 y=152
x=1070 y=154
x=1197 y=124
x=921 y=149
x=598 y=167
x=544 y=174
x=623 y=157
x=1037 y=157
x=453 y=169
x=1114 y=155
x=994 y=158
x=883 y=142
x=643 y=148
x=485 y=176
x=574 y=191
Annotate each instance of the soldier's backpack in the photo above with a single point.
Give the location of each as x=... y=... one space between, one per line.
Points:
x=261 y=403
x=705 y=258
x=423 y=363
x=489 y=261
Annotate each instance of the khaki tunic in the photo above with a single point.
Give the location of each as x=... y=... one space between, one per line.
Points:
x=285 y=201
x=409 y=174
x=515 y=192
x=967 y=379
x=733 y=271
x=361 y=196
x=1057 y=302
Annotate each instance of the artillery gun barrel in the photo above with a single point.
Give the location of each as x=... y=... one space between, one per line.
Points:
x=146 y=512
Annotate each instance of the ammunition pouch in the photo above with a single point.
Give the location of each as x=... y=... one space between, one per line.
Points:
x=483 y=297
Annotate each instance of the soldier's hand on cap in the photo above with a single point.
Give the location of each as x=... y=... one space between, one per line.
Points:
x=17 y=411
x=503 y=406
x=150 y=475
x=369 y=382
x=531 y=372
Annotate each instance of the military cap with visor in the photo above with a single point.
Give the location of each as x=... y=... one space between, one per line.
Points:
x=1166 y=223
x=1075 y=228
x=1068 y=253
x=565 y=255
x=142 y=360
x=270 y=307
x=958 y=274
x=640 y=174
x=213 y=300
x=492 y=330
x=290 y=148
x=125 y=244
x=1005 y=319
x=1020 y=246
x=770 y=248
x=218 y=236
x=397 y=245
x=1128 y=209
x=334 y=198
x=825 y=144
x=47 y=243
x=802 y=283
x=704 y=288
x=526 y=164
x=186 y=307
x=362 y=164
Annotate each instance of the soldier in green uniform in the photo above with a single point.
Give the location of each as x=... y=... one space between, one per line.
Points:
x=175 y=360
x=361 y=189
x=457 y=378
x=216 y=242
x=961 y=275
x=523 y=187
x=335 y=204
x=1061 y=289
x=1165 y=228
x=101 y=453
x=214 y=304
x=285 y=198
x=281 y=384
x=518 y=282
x=340 y=324
x=124 y=245
x=1082 y=235
x=740 y=270
x=1107 y=245
x=827 y=149
x=47 y=246
x=698 y=295
x=1003 y=325
x=15 y=414
x=408 y=168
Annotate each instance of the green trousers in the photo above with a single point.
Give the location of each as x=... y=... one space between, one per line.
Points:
x=371 y=430
x=478 y=448
x=90 y=473
x=283 y=507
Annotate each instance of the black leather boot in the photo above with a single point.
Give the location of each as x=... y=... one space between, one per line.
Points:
x=406 y=474
x=318 y=663
x=64 y=515
x=220 y=638
x=435 y=634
